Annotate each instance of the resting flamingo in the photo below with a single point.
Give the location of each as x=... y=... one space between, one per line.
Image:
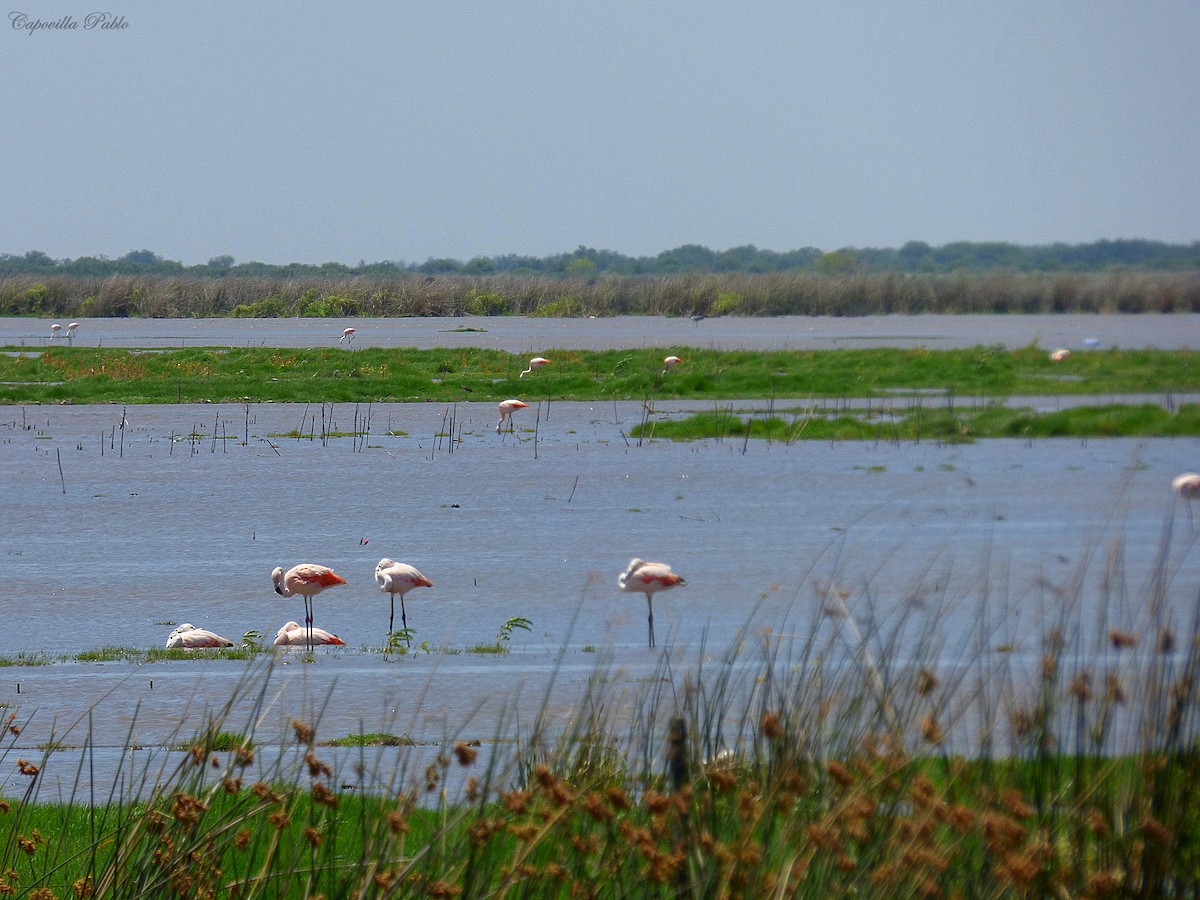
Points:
x=671 y=362
x=536 y=363
x=507 y=408
x=648 y=578
x=1187 y=486
x=308 y=580
x=190 y=637
x=292 y=635
x=398 y=578
x=1062 y=353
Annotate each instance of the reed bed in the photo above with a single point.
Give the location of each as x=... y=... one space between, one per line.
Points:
x=740 y=294
x=859 y=751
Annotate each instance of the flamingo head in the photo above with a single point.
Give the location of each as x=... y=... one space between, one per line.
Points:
x=277 y=578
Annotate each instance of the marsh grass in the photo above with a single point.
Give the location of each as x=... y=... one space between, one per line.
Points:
x=858 y=751
x=947 y=425
x=319 y=376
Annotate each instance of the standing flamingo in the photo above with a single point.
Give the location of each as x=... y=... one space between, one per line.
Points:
x=536 y=363
x=190 y=637
x=648 y=578
x=507 y=408
x=54 y=330
x=671 y=362
x=308 y=580
x=71 y=331
x=348 y=336
x=398 y=578
x=292 y=635
x=1187 y=486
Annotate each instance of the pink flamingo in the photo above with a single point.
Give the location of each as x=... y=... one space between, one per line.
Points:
x=71 y=331
x=398 y=578
x=292 y=635
x=1187 y=486
x=648 y=578
x=671 y=362
x=507 y=408
x=348 y=336
x=1061 y=354
x=536 y=363
x=308 y=580
x=54 y=330
x=190 y=637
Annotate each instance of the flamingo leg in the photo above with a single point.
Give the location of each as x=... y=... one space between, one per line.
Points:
x=403 y=617
x=650 y=618
x=392 y=617
x=308 y=619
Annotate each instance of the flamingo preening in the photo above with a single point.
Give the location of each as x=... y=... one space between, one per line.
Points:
x=398 y=578
x=648 y=578
x=507 y=408
x=308 y=580
x=190 y=637
x=292 y=635
x=536 y=363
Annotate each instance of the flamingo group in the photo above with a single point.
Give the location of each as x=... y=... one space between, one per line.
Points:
x=307 y=580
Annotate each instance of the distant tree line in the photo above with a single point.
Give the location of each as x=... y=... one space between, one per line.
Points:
x=915 y=257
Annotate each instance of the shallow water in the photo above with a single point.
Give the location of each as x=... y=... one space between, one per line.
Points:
x=518 y=334
x=111 y=535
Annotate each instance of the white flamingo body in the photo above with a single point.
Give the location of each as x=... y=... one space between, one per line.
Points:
x=671 y=362
x=1187 y=486
x=348 y=336
x=292 y=634
x=1061 y=354
x=190 y=637
x=307 y=580
x=54 y=330
x=536 y=363
x=507 y=408
x=648 y=578
x=398 y=578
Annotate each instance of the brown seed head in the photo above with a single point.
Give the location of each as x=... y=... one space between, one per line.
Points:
x=304 y=732
x=464 y=753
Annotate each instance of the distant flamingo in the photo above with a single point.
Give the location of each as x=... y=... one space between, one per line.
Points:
x=348 y=336
x=1060 y=354
x=190 y=637
x=398 y=578
x=671 y=362
x=1187 y=486
x=292 y=635
x=71 y=331
x=648 y=578
x=54 y=330
x=308 y=580
x=536 y=363
x=507 y=408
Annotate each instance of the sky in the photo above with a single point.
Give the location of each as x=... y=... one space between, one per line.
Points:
x=303 y=132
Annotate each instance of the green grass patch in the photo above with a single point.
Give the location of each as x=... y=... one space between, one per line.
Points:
x=373 y=739
x=91 y=375
x=962 y=425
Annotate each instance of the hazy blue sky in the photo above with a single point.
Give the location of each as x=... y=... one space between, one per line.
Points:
x=310 y=132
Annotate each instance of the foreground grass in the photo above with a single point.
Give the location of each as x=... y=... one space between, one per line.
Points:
x=832 y=763
x=88 y=375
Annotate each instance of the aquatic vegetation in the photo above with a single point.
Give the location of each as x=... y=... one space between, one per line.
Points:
x=239 y=375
